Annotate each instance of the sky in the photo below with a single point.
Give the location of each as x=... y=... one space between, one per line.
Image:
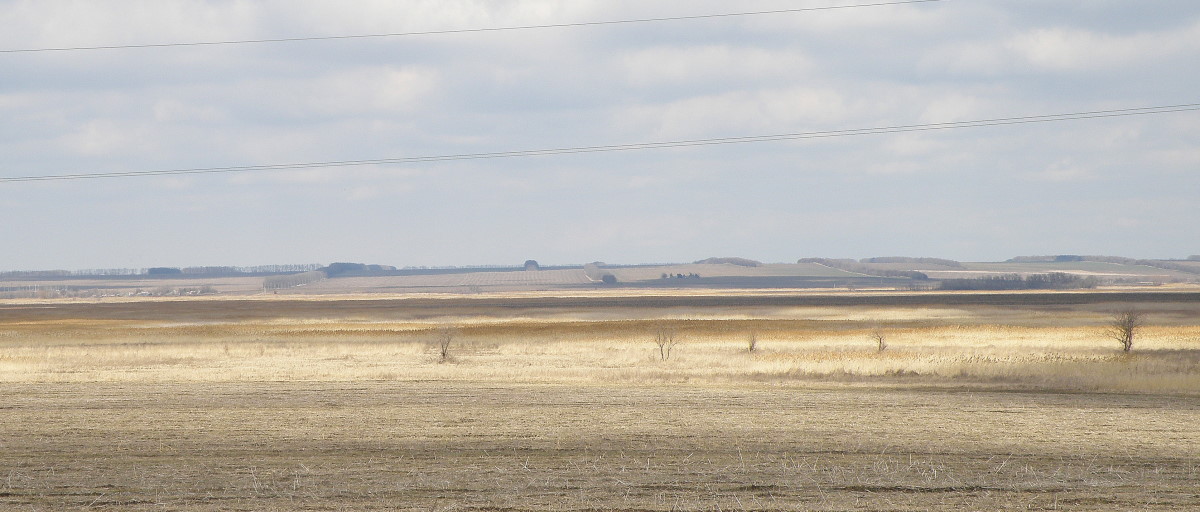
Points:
x=1124 y=185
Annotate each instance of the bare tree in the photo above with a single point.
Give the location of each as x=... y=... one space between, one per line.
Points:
x=444 y=337
x=1124 y=325
x=752 y=342
x=878 y=335
x=666 y=340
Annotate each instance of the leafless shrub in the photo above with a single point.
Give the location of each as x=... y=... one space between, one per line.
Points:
x=1124 y=325
x=878 y=335
x=752 y=342
x=666 y=340
x=443 y=338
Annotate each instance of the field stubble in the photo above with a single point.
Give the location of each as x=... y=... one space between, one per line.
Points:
x=969 y=408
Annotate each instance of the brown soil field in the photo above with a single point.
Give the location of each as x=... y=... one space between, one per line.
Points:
x=980 y=401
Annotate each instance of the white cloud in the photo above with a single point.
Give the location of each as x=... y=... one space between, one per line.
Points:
x=757 y=112
x=1062 y=171
x=954 y=107
x=375 y=174
x=915 y=144
x=648 y=233
x=1063 y=49
x=895 y=167
x=389 y=16
x=1178 y=159
x=377 y=91
x=36 y=24
x=104 y=138
x=692 y=65
x=169 y=110
x=865 y=22
x=1072 y=49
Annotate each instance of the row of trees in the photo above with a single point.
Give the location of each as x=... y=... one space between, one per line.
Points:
x=689 y=275
x=1123 y=326
x=1050 y=281
x=271 y=283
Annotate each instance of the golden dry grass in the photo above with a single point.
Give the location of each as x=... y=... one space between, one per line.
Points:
x=927 y=346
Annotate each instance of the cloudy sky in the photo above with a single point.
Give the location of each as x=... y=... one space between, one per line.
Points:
x=1126 y=185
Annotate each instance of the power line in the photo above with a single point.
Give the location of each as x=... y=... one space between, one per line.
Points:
x=1047 y=118
x=461 y=31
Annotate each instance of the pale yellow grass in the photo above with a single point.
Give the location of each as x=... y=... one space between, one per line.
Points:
x=539 y=350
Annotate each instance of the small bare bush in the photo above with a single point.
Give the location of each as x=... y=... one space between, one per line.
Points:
x=880 y=341
x=666 y=340
x=752 y=342
x=444 y=337
x=1124 y=325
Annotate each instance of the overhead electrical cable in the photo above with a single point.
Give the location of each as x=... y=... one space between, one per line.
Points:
x=1047 y=118
x=463 y=30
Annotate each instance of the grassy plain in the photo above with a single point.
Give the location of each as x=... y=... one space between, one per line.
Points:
x=563 y=402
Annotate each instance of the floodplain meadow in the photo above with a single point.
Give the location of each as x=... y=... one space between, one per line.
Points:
x=567 y=403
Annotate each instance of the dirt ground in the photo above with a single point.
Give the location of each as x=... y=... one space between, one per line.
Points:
x=464 y=446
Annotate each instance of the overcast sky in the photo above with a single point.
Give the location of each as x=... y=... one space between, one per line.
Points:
x=1124 y=186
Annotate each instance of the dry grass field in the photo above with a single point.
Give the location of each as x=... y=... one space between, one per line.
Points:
x=565 y=402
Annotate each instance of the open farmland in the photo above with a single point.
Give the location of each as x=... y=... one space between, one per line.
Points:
x=127 y=286
x=697 y=276
x=890 y=275
x=1112 y=272
x=466 y=282
x=981 y=401
x=704 y=276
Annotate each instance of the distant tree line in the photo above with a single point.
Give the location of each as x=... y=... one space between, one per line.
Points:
x=1044 y=259
x=689 y=275
x=1050 y=281
x=355 y=269
x=260 y=269
x=292 y=280
x=853 y=266
x=742 y=262
x=918 y=261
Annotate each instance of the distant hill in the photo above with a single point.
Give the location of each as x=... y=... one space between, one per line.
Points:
x=916 y=261
x=1188 y=265
x=742 y=262
x=879 y=273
